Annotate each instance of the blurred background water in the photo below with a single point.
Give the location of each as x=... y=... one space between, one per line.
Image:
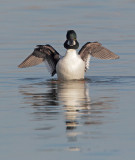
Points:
x=43 y=118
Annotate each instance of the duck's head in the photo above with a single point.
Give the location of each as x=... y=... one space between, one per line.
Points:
x=71 y=42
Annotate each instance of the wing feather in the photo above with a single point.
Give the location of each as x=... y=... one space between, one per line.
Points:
x=96 y=50
x=40 y=54
x=30 y=61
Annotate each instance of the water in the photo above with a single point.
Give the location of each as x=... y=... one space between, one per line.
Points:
x=41 y=117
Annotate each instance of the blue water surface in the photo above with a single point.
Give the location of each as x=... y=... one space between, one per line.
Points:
x=42 y=118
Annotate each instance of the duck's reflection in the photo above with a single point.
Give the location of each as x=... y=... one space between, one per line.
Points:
x=47 y=97
x=73 y=97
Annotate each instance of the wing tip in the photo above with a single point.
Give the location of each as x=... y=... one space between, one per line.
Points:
x=117 y=57
x=21 y=66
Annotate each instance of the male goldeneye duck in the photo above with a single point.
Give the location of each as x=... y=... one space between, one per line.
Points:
x=73 y=65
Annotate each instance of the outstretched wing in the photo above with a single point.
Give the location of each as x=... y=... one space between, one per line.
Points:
x=40 y=54
x=96 y=50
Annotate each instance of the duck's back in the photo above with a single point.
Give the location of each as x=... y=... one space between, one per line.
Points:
x=71 y=66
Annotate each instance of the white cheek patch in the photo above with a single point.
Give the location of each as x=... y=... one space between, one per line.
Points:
x=74 y=43
x=71 y=44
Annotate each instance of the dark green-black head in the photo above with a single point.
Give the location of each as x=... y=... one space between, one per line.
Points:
x=71 y=42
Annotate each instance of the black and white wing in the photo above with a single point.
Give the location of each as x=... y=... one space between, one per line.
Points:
x=96 y=50
x=40 y=54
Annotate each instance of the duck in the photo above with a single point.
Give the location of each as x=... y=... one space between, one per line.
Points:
x=73 y=65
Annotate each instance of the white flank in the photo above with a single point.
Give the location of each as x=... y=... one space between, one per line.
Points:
x=88 y=61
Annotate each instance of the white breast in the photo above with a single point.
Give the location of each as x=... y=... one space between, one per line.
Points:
x=71 y=66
